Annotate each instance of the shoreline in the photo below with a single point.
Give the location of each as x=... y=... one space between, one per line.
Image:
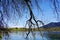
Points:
x=32 y=29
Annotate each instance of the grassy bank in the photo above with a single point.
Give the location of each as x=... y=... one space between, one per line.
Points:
x=33 y=29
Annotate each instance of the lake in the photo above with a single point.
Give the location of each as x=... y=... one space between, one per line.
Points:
x=36 y=35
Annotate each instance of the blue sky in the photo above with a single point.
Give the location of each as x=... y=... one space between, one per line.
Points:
x=48 y=15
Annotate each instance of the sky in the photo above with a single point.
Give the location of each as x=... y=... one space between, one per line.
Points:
x=46 y=15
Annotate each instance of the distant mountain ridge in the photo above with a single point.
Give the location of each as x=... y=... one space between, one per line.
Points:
x=52 y=24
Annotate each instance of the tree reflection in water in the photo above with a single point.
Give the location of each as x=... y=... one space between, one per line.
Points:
x=54 y=36
x=33 y=35
x=6 y=35
x=0 y=35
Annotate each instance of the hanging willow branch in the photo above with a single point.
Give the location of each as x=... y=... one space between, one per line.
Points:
x=32 y=17
x=56 y=7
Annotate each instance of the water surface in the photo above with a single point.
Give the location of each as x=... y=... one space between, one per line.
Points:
x=36 y=35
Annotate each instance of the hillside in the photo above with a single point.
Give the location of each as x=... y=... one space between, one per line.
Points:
x=52 y=24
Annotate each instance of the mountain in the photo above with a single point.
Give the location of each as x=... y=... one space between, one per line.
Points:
x=52 y=24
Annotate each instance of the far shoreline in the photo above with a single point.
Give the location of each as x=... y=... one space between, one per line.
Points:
x=32 y=29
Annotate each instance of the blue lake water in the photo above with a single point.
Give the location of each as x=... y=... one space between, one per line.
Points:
x=32 y=36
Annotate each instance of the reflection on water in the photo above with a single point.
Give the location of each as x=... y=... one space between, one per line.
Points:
x=32 y=36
